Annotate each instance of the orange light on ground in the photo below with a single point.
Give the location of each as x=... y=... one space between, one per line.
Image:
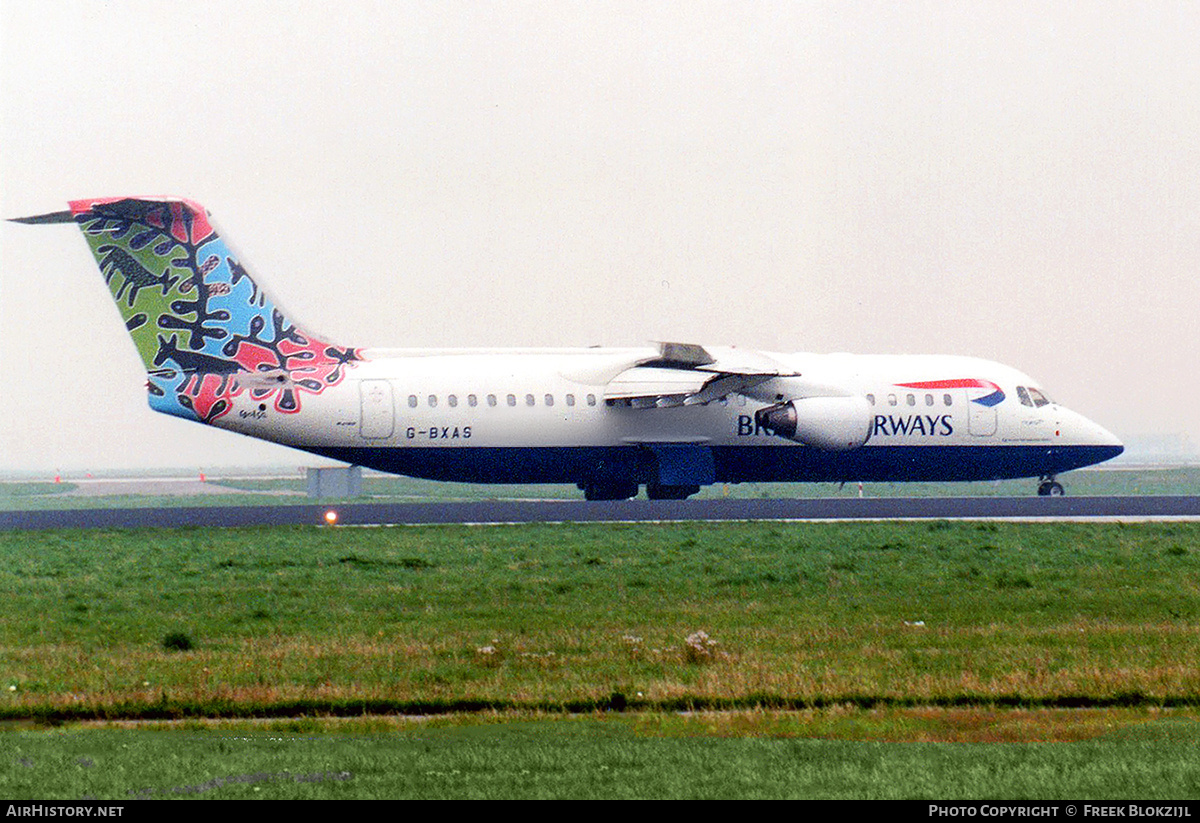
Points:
x=331 y=518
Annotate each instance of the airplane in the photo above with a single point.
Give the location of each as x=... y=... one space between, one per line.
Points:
x=674 y=417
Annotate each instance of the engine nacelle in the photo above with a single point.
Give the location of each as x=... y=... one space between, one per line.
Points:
x=830 y=423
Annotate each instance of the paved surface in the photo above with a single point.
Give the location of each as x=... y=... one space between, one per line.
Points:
x=578 y=511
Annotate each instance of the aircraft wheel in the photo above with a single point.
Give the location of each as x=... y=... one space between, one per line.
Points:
x=656 y=492
x=1051 y=488
x=609 y=491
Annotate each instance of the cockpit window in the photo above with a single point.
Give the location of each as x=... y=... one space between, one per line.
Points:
x=1023 y=393
x=1038 y=398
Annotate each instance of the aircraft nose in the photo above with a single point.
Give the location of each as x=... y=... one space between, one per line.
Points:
x=1084 y=432
x=1104 y=437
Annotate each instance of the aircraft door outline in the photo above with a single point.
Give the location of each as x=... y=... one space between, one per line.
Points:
x=377 y=420
x=981 y=419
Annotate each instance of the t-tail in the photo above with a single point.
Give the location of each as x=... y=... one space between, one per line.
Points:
x=204 y=329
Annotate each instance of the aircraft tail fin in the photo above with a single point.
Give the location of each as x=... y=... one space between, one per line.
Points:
x=204 y=329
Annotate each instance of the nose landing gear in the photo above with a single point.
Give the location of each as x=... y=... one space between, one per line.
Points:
x=1049 y=487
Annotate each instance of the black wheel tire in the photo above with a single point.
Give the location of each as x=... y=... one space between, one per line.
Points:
x=657 y=492
x=609 y=491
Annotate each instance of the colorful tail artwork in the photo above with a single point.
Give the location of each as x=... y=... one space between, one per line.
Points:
x=205 y=331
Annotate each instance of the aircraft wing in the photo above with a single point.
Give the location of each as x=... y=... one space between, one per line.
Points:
x=685 y=374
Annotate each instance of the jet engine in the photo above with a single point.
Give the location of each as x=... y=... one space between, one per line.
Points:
x=830 y=423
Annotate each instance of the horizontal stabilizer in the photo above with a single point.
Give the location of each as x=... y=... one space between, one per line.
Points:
x=52 y=217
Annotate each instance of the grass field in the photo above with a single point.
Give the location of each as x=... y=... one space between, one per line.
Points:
x=942 y=639
x=827 y=754
x=548 y=615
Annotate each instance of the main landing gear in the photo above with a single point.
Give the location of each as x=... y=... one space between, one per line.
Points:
x=1049 y=487
x=623 y=490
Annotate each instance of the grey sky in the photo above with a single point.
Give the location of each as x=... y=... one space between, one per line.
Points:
x=1015 y=181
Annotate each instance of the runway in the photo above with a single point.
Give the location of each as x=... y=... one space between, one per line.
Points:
x=632 y=511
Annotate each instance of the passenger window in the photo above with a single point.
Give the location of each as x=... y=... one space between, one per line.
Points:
x=741 y=399
x=948 y=400
x=929 y=400
x=549 y=400
x=871 y=399
x=529 y=400
x=412 y=401
x=472 y=400
x=570 y=400
x=491 y=400
x=452 y=400
x=912 y=401
x=432 y=401
x=591 y=399
x=512 y=400
x=891 y=399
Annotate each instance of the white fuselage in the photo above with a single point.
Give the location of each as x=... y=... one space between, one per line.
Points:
x=542 y=416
